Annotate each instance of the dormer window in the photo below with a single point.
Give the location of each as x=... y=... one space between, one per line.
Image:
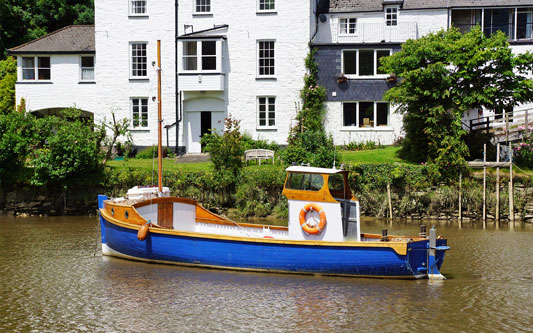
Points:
x=348 y=26
x=391 y=16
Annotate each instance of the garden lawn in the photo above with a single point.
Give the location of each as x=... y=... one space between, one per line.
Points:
x=383 y=155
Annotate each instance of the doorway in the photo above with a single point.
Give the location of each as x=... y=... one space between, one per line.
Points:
x=205 y=124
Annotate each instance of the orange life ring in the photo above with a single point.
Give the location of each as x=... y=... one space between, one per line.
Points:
x=309 y=227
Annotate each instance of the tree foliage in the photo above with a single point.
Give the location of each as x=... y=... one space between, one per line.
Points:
x=8 y=77
x=445 y=74
x=24 y=20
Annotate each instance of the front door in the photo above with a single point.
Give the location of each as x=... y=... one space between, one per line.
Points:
x=205 y=124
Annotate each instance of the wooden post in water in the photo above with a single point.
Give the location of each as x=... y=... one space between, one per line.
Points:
x=511 y=201
x=460 y=199
x=390 y=201
x=498 y=186
x=507 y=126
x=484 y=185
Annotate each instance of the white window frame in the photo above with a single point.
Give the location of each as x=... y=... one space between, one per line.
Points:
x=344 y=26
x=265 y=3
x=199 y=56
x=259 y=58
x=391 y=16
x=358 y=71
x=267 y=112
x=131 y=62
x=132 y=7
x=140 y=126
x=82 y=68
x=36 y=68
x=375 y=115
x=204 y=4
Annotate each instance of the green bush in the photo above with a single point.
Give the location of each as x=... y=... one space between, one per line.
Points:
x=523 y=153
x=368 y=145
x=249 y=143
x=150 y=152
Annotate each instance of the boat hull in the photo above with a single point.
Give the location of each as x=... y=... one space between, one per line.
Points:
x=258 y=254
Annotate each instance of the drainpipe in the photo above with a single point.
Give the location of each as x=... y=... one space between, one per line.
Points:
x=178 y=99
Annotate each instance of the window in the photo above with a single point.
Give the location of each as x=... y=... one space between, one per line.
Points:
x=499 y=19
x=199 y=55
x=202 y=6
x=305 y=181
x=363 y=62
x=266 y=5
x=138 y=60
x=365 y=114
x=30 y=71
x=391 y=16
x=266 y=58
x=87 y=68
x=266 y=107
x=348 y=26
x=139 y=113
x=524 y=23
x=137 y=7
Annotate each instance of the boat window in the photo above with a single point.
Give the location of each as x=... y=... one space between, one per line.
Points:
x=305 y=181
x=336 y=183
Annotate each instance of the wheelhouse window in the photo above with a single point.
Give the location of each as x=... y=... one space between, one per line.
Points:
x=391 y=16
x=36 y=68
x=139 y=60
x=139 y=113
x=87 y=68
x=365 y=114
x=201 y=55
x=138 y=7
x=266 y=5
x=266 y=112
x=202 y=6
x=266 y=58
x=363 y=62
x=305 y=181
x=347 y=26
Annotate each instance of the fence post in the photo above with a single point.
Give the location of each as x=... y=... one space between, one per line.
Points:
x=498 y=186
x=511 y=201
x=484 y=185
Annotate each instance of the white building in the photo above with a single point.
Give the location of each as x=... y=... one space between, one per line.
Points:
x=244 y=59
x=353 y=35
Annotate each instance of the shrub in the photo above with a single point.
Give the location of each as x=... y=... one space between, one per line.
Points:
x=523 y=154
x=249 y=143
x=150 y=152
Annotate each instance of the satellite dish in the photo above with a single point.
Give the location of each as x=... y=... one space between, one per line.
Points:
x=323 y=18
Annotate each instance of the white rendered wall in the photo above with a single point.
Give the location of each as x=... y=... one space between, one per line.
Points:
x=62 y=91
x=385 y=135
x=289 y=26
x=114 y=30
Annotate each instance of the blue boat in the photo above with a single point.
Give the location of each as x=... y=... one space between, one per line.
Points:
x=323 y=235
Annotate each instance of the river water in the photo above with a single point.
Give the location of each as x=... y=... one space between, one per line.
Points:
x=54 y=279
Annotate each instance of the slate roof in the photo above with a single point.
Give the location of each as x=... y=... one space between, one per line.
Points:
x=72 y=39
x=339 y=6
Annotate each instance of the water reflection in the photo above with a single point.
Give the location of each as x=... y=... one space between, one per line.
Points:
x=54 y=278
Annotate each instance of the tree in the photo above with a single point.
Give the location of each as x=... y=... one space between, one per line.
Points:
x=445 y=74
x=117 y=129
x=24 y=20
x=8 y=77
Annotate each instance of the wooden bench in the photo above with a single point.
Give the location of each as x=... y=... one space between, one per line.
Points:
x=258 y=155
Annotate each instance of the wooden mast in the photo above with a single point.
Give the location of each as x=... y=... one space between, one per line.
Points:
x=159 y=121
